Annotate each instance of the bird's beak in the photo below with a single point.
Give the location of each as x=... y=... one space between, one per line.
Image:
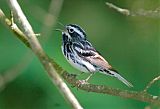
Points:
x=64 y=30
x=60 y=30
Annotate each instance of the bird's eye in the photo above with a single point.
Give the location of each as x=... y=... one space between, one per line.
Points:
x=71 y=30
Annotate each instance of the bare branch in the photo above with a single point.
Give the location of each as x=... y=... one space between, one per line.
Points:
x=37 y=49
x=121 y=10
x=151 y=83
x=14 y=28
x=145 y=97
x=139 y=12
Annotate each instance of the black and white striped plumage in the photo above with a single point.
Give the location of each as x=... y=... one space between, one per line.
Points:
x=82 y=55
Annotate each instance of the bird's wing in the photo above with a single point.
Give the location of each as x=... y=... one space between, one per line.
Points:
x=88 y=53
x=99 y=61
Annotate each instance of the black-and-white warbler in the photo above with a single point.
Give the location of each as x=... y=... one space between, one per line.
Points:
x=80 y=53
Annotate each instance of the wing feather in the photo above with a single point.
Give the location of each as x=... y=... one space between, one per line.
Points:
x=90 y=54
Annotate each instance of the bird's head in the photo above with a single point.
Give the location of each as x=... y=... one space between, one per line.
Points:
x=73 y=32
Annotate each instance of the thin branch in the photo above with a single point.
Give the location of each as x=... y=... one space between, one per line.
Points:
x=139 y=12
x=121 y=10
x=145 y=97
x=14 y=28
x=37 y=49
x=151 y=83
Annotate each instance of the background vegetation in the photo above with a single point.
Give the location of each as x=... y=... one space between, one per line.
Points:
x=130 y=44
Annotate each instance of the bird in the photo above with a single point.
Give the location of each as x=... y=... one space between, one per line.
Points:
x=80 y=53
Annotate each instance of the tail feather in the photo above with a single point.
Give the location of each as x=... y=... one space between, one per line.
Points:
x=123 y=80
x=118 y=76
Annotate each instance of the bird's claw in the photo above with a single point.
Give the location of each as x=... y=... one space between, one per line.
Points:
x=81 y=82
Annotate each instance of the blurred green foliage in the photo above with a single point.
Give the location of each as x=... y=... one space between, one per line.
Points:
x=130 y=44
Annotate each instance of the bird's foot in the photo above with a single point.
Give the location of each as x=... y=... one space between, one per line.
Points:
x=81 y=82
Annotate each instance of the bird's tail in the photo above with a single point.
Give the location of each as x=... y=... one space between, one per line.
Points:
x=114 y=73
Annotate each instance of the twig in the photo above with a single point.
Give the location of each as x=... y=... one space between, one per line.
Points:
x=121 y=10
x=151 y=83
x=37 y=49
x=14 y=27
x=139 y=12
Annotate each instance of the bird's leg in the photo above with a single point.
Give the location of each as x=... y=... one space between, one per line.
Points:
x=81 y=82
x=88 y=77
